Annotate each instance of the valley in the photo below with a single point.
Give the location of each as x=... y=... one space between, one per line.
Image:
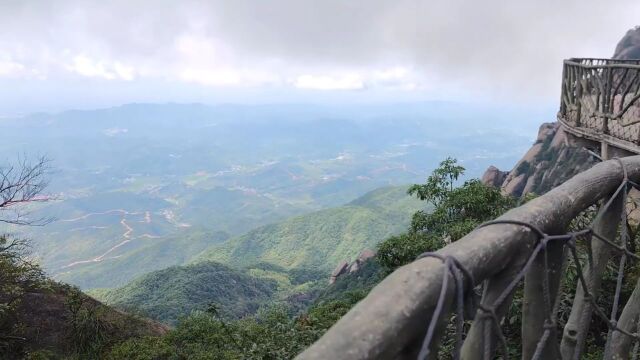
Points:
x=164 y=185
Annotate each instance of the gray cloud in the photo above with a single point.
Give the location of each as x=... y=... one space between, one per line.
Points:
x=484 y=47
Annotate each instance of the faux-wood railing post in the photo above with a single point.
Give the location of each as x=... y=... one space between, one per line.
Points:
x=579 y=97
x=563 y=105
x=474 y=344
x=621 y=344
x=535 y=304
x=606 y=112
x=575 y=331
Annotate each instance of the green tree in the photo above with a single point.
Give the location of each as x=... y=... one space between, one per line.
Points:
x=271 y=334
x=457 y=211
x=18 y=276
x=440 y=183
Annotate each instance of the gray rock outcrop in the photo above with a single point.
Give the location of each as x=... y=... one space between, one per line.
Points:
x=344 y=267
x=629 y=46
x=494 y=176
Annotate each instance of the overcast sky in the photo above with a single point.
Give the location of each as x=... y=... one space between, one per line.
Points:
x=78 y=54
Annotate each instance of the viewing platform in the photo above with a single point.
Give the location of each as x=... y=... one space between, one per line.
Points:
x=600 y=104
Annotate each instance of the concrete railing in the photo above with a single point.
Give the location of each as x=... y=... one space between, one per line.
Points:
x=435 y=299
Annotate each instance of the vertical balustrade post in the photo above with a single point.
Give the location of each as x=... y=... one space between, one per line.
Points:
x=579 y=97
x=563 y=105
x=575 y=331
x=475 y=343
x=539 y=300
x=621 y=344
x=606 y=95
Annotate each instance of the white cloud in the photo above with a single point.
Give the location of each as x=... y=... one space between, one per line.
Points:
x=328 y=82
x=123 y=71
x=397 y=78
x=88 y=67
x=210 y=77
x=11 y=69
x=490 y=48
x=391 y=74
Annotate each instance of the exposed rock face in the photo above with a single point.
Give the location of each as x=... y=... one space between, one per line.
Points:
x=494 y=177
x=515 y=185
x=344 y=267
x=629 y=46
x=549 y=162
x=364 y=256
x=546 y=130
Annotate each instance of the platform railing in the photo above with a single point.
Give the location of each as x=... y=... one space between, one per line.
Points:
x=600 y=100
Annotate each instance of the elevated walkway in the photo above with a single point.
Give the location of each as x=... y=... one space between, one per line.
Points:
x=600 y=104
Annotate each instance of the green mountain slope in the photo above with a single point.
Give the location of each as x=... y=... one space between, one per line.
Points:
x=321 y=239
x=283 y=262
x=141 y=257
x=167 y=294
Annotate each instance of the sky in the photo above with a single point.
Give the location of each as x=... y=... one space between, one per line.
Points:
x=56 y=55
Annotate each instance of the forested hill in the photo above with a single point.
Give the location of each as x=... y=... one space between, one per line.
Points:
x=168 y=294
x=283 y=262
x=321 y=239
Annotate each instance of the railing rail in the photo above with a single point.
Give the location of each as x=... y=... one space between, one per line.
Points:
x=600 y=100
x=405 y=315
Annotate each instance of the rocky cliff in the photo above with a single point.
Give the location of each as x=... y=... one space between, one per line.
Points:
x=549 y=162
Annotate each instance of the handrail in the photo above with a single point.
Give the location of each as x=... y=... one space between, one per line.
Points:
x=601 y=98
x=391 y=322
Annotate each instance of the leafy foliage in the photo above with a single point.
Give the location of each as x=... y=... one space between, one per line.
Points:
x=88 y=331
x=458 y=210
x=168 y=294
x=403 y=249
x=461 y=210
x=17 y=276
x=271 y=334
x=440 y=183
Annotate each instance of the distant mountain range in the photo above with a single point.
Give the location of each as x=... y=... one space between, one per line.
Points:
x=142 y=187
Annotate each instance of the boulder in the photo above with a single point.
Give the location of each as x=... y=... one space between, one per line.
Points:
x=546 y=130
x=494 y=176
x=342 y=268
